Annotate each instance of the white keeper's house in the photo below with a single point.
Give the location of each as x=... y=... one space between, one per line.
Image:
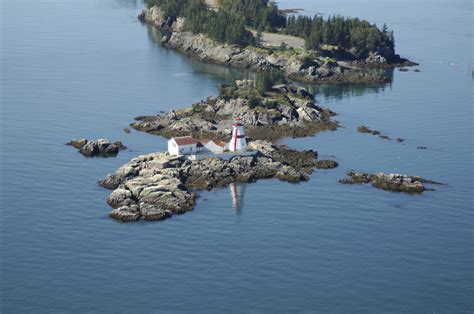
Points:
x=187 y=145
x=182 y=145
x=213 y=145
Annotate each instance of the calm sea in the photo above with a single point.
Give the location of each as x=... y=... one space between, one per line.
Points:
x=85 y=68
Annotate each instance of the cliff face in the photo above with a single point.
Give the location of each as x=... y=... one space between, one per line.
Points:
x=318 y=70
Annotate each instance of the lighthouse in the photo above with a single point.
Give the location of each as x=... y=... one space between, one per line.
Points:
x=238 y=142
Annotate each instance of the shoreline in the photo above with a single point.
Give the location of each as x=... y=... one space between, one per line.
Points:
x=293 y=64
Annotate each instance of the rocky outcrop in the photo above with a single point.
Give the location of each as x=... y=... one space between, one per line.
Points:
x=294 y=66
x=300 y=160
x=326 y=164
x=157 y=186
x=100 y=147
x=284 y=112
x=389 y=182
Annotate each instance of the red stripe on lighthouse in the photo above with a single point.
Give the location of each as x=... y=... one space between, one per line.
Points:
x=235 y=138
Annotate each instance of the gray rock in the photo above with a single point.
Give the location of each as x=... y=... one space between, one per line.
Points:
x=120 y=197
x=326 y=164
x=100 y=147
x=126 y=213
x=152 y=212
x=375 y=58
x=78 y=143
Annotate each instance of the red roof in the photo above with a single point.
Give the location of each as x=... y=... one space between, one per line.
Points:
x=185 y=140
x=220 y=143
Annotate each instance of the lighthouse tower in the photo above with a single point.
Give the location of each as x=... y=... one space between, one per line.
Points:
x=238 y=142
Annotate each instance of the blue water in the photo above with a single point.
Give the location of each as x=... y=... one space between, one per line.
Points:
x=86 y=68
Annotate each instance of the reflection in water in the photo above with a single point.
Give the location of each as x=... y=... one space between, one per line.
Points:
x=237 y=192
x=134 y=4
x=340 y=91
x=228 y=75
x=224 y=74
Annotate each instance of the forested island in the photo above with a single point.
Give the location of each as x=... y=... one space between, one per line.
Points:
x=258 y=35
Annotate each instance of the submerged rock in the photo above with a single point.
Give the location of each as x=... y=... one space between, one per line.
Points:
x=389 y=182
x=100 y=147
x=366 y=129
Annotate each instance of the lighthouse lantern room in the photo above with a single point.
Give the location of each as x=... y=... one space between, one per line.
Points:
x=238 y=142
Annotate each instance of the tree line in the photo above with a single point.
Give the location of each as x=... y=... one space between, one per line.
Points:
x=342 y=32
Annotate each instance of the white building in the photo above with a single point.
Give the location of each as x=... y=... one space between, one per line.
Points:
x=238 y=142
x=214 y=146
x=182 y=145
x=187 y=145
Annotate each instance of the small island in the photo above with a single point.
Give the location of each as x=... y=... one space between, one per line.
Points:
x=262 y=37
x=269 y=108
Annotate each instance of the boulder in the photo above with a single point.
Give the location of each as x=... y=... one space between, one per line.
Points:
x=264 y=147
x=326 y=164
x=100 y=147
x=152 y=212
x=126 y=213
x=120 y=197
x=376 y=59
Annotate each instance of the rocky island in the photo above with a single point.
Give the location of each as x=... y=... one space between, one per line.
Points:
x=269 y=112
x=267 y=41
x=158 y=185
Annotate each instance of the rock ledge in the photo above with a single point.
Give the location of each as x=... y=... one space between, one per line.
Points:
x=389 y=182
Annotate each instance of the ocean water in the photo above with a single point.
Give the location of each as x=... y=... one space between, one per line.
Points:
x=85 y=68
